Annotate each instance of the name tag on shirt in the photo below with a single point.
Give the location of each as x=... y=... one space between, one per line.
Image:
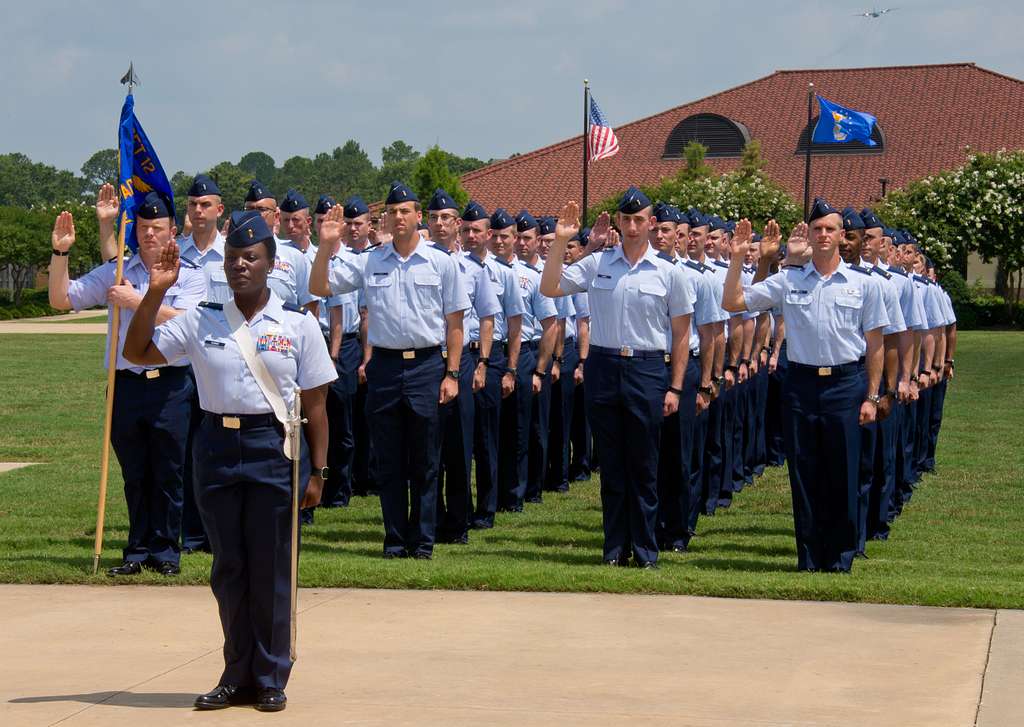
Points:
x=213 y=343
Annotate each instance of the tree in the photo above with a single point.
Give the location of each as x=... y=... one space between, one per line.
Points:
x=696 y=167
x=978 y=207
x=260 y=165
x=24 y=183
x=432 y=171
x=101 y=168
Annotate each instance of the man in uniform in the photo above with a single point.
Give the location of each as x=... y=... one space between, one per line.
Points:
x=415 y=301
x=454 y=490
x=499 y=377
x=580 y=441
x=834 y=320
x=638 y=303
x=152 y=409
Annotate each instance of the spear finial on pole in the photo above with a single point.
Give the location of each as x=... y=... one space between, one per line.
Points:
x=131 y=79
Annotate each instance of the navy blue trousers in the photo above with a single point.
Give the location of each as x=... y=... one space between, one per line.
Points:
x=759 y=456
x=563 y=401
x=340 y=416
x=513 y=454
x=869 y=436
x=698 y=495
x=906 y=475
x=922 y=430
x=455 y=472
x=486 y=428
x=193 y=534
x=820 y=418
x=149 y=434
x=935 y=423
x=883 y=484
x=775 y=449
x=714 y=455
x=405 y=426
x=742 y=419
x=624 y=403
x=244 y=492
x=581 y=441
x=539 y=439
x=675 y=462
x=363 y=482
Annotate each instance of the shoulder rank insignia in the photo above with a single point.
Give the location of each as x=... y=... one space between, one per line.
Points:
x=211 y=306
x=792 y=266
x=188 y=263
x=694 y=265
x=294 y=308
x=440 y=248
x=720 y=264
x=859 y=269
x=898 y=271
x=503 y=262
x=531 y=267
x=884 y=273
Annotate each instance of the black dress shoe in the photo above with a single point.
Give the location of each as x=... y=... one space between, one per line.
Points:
x=167 y=568
x=649 y=565
x=270 y=699
x=422 y=555
x=225 y=695
x=391 y=554
x=128 y=568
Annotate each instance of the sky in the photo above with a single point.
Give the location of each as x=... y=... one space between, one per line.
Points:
x=483 y=79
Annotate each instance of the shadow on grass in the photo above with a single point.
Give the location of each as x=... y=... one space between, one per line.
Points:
x=146 y=700
x=740 y=564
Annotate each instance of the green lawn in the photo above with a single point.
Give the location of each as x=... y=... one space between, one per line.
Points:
x=959 y=542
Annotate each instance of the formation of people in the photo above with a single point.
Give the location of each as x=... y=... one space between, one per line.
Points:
x=676 y=353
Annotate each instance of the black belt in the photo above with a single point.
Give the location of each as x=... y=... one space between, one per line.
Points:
x=473 y=346
x=350 y=336
x=626 y=352
x=531 y=345
x=241 y=421
x=846 y=368
x=407 y=354
x=151 y=374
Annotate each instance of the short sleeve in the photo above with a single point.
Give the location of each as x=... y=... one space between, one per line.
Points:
x=485 y=301
x=174 y=337
x=543 y=306
x=511 y=299
x=576 y=278
x=766 y=294
x=874 y=315
x=345 y=274
x=91 y=289
x=314 y=367
x=454 y=295
x=581 y=302
x=704 y=308
x=302 y=281
x=191 y=288
x=680 y=295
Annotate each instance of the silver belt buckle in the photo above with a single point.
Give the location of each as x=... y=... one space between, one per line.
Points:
x=408 y=355
x=824 y=371
x=626 y=351
x=668 y=358
x=231 y=422
x=153 y=374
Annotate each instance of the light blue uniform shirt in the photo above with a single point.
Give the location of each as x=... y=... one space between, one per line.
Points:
x=406 y=300
x=581 y=302
x=483 y=301
x=349 y=302
x=567 y=312
x=289 y=344
x=506 y=287
x=290 y=276
x=536 y=307
x=907 y=294
x=747 y=278
x=716 y=286
x=720 y=268
x=322 y=314
x=826 y=319
x=630 y=305
x=211 y=262
x=934 y=315
x=706 y=309
x=91 y=290
x=890 y=298
x=947 y=305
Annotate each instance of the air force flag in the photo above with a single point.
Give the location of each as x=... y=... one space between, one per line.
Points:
x=840 y=125
x=139 y=169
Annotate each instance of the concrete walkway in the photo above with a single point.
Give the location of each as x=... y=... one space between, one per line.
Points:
x=138 y=655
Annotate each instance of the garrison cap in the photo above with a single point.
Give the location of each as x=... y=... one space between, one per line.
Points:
x=870 y=219
x=852 y=219
x=294 y=201
x=525 y=221
x=546 y=225
x=355 y=206
x=729 y=226
x=697 y=218
x=633 y=200
x=714 y=222
x=156 y=206
x=664 y=213
x=247 y=228
x=324 y=203
x=889 y=232
x=203 y=184
x=756 y=237
x=400 y=193
x=820 y=209
x=501 y=219
x=257 y=192
x=441 y=201
x=474 y=212
x=422 y=226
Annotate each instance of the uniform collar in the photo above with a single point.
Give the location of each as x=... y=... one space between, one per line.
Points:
x=843 y=270
x=420 y=249
x=649 y=256
x=135 y=261
x=189 y=243
x=273 y=309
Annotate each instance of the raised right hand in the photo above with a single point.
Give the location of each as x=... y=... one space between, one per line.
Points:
x=107 y=205
x=332 y=226
x=63 y=232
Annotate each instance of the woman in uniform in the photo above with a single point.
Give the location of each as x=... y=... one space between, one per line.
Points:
x=243 y=478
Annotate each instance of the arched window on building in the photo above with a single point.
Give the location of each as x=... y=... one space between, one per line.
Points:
x=723 y=137
x=851 y=147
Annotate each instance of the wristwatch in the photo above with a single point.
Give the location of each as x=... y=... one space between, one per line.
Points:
x=719 y=380
x=58 y=253
x=674 y=390
x=322 y=472
x=558 y=359
x=706 y=390
x=731 y=367
x=452 y=375
x=485 y=361
x=510 y=371
x=580 y=362
x=874 y=399
x=540 y=374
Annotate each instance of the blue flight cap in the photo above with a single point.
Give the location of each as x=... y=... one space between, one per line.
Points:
x=870 y=219
x=400 y=193
x=202 y=185
x=756 y=238
x=852 y=219
x=501 y=219
x=525 y=221
x=729 y=226
x=697 y=218
x=441 y=201
x=821 y=208
x=888 y=232
x=257 y=192
x=928 y=262
x=294 y=201
x=323 y=204
x=714 y=222
x=584 y=236
x=474 y=212
x=355 y=206
x=156 y=206
x=546 y=225
x=422 y=226
x=247 y=228
x=633 y=200
x=664 y=213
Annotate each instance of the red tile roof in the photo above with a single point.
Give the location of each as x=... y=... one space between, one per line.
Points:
x=929 y=115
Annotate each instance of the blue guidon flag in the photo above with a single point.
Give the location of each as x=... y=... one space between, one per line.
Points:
x=840 y=125
x=139 y=169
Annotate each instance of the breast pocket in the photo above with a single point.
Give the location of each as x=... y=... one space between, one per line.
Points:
x=797 y=305
x=652 y=298
x=848 y=311
x=428 y=290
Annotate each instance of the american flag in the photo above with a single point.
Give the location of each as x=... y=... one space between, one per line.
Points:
x=603 y=142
